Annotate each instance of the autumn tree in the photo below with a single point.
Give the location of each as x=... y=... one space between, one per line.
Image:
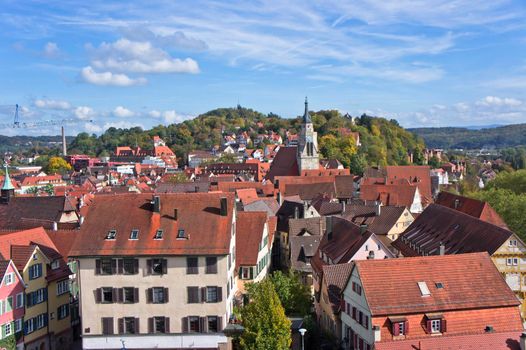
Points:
x=266 y=326
x=57 y=165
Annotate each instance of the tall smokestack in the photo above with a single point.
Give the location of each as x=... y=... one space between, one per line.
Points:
x=64 y=149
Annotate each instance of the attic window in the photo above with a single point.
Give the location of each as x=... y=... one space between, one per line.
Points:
x=439 y=285
x=134 y=234
x=111 y=234
x=158 y=234
x=424 y=290
x=180 y=234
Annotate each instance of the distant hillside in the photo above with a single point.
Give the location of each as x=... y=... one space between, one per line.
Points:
x=27 y=143
x=448 y=138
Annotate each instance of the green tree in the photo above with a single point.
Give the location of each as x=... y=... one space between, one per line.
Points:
x=294 y=295
x=434 y=162
x=514 y=181
x=57 y=165
x=266 y=326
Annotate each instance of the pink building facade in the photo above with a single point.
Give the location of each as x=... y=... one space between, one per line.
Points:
x=11 y=305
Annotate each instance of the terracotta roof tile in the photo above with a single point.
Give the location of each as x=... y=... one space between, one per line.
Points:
x=284 y=164
x=335 y=277
x=249 y=233
x=469 y=281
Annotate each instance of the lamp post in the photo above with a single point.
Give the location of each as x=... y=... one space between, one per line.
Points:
x=302 y=332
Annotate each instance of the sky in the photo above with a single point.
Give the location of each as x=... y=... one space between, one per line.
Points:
x=144 y=63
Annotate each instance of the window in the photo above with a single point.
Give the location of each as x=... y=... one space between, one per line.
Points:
x=129 y=325
x=8 y=330
x=357 y=288
x=111 y=234
x=35 y=256
x=30 y=326
x=401 y=328
x=39 y=296
x=18 y=325
x=193 y=295
x=158 y=266
x=245 y=273
x=212 y=324
x=513 y=243
x=211 y=294
x=134 y=234
x=515 y=261
x=107 y=295
x=130 y=266
x=366 y=247
x=107 y=266
x=20 y=300
x=211 y=265
x=191 y=265
x=35 y=271
x=40 y=321
x=9 y=278
x=62 y=287
x=158 y=234
x=158 y=296
x=9 y=304
x=180 y=234
x=435 y=326
x=55 y=264
x=128 y=295
x=159 y=325
x=193 y=323
x=63 y=311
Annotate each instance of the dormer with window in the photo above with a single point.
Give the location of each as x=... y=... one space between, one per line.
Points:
x=158 y=234
x=134 y=235
x=111 y=234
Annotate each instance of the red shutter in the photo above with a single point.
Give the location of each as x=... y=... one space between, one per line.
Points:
x=396 y=329
x=219 y=294
x=354 y=287
x=135 y=295
x=166 y=295
x=98 y=295
x=443 y=325
x=184 y=325
x=167 y=324
x=150 y=325
x=97 y=266
x=121 y=325
x=137 y=328
x=428 y=325
x=406 y=327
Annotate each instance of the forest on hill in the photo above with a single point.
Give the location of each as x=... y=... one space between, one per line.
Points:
x=464 y=138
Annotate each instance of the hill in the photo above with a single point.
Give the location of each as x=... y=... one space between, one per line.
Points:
x=452 y=138
x=31 y=143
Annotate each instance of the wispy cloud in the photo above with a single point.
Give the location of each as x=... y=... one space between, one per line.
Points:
x=108 y=78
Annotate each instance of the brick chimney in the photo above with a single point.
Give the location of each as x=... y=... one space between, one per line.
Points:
x=156 y=204
x=223 y=211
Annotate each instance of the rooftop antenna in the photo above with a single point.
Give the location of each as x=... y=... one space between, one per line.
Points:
x=16 y=123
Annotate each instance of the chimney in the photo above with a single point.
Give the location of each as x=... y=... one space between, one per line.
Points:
x=328 y=227
x=55 y=226
x=378 y=208
x=296 y=213
x=457 y=203
x=377 y=334
x=363 y=228
x=371 y=255
x=81 y=220
x=523 y=341
x=175 y=214
x=343 y=207
x=442 y=249
x=64 y=150
x=223 y=211
x=156 y=204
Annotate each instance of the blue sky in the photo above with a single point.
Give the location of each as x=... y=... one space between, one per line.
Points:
x=425 y=63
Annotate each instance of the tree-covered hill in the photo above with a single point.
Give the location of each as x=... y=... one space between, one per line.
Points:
x=451 y=138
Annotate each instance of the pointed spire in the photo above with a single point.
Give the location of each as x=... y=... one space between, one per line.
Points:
x=306 y=115
x=7 y=180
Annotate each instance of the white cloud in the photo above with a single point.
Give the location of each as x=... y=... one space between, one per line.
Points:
x=139 y=57
x=109 y=78
x=51 y=50
x=154 y=114
x=497 y=101
x=52 y=104
x=171 y=117
x=93 y=128
x=84 y=112
x=123 y=112
x=121 y=125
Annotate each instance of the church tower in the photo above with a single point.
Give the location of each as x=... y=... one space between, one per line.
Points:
x=8 y=191
x=307 y=154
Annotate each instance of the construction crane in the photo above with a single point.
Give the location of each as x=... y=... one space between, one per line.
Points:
x=17 y=124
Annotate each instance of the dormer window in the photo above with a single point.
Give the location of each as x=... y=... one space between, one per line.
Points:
x=134 y=234
x=111 y=234
x=55 y=265
x=158 y=234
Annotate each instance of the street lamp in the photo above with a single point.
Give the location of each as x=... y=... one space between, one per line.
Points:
x=302 y=332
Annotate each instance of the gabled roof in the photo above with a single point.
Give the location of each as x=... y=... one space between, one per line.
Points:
x=36 y=236
x=459 y=232
x=247 y=195
x=249 y=233
x=310 y=191
x=394 y=192
x=284 y=163
x=198 y=214
x=302 y=249
x=478 y=209
x=324 y=206
x=470 y=281
x=417 y=174
x=335 y=278
x=378 y=224
x=314 y=226
x=270 y=205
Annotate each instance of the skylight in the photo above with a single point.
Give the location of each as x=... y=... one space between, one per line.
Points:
x=158 y=234
x=134 y=234
x=180 y=234
x=423 y=289
x=439 y=285
x=111 y=234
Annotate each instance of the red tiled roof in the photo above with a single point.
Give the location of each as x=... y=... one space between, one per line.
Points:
x=335 y=278
x=472 y=207
x=63 y=240
x=247 y=195
x=399 y=193
x=36 y=236
x=470 y=281
x=35 y=180
x=284 y=163
x=198 y=214
x=459 y=232
x=249 y=233
x=419 y=174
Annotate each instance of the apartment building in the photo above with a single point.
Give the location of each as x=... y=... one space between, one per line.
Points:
x=155 y=271
x=11 y=306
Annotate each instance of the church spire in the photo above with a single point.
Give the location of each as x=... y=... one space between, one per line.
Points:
x=306 y=115
x=7 y=180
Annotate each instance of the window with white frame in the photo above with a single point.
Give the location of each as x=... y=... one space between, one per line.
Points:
x=515 y=261
x=513 y=242
x=40 y=321
x=55 y=264
x=20 y=300
x=9 y=278
x=509 y=261
x=63 y=311
x=401 y=328
x=30 y=326
x=62 y=287
x=18 y=325
x=435 y=326
x=8 y=330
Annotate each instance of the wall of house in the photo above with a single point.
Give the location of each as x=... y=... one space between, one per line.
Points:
x=38 y=336
x=10 y=291
x=515 y=275
x=402 y=223
x=176 y=280
x=61 y=329
x=373 y=244
x=358 y=301
x=416 y=206
x=327 y=319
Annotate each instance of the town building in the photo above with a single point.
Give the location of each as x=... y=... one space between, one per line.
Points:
x=307 y=149
x=12 y=306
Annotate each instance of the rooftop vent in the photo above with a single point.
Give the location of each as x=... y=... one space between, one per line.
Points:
x=111 y=234
x=158 y=234
x=134 y=234
x=423 y=289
